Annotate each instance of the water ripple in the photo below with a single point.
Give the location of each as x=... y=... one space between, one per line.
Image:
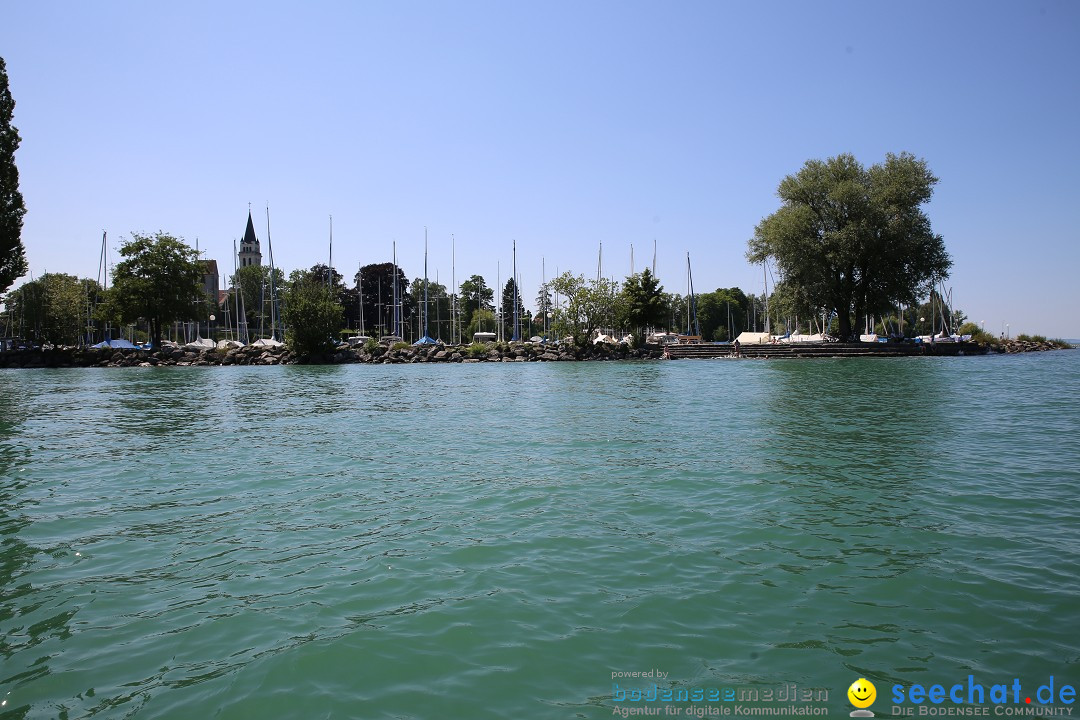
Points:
x=494 y=541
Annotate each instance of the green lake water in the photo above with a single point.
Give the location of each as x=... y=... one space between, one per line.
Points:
x=496 y=540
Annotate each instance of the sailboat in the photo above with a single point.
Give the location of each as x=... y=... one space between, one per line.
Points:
x=691 y=309
x=396 y=322
x=426 y=339
x=272 y=341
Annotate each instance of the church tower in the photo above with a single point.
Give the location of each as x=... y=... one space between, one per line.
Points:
x=249 y=247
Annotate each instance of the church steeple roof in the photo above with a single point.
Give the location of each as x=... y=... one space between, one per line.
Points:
x=249 y=234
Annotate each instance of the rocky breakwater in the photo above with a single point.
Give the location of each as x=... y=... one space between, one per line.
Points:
x=491 y=352
x=107 y=357
x=250 y=355
x=1033 y=345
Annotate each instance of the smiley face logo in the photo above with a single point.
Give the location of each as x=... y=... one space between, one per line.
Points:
x=862 y=694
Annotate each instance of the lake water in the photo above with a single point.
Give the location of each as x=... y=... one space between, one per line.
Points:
x=497 y=540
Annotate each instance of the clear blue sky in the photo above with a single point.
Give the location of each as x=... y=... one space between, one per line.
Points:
x=559 y=124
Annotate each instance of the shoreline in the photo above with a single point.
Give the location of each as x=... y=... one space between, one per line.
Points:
x=70 y=357
x=344 y=355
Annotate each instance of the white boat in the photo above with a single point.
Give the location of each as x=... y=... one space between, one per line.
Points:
x=199 y=344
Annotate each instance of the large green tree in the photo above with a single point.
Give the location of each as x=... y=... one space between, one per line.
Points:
x=641 y=304
x=159 y=281
x=589 y=305
x=12 y=254
x=475 y=295
x=375 y=283
x=854 y=239
x=312 y=314
x=508 y=297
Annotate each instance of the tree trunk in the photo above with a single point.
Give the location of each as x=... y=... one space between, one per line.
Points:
x=844 y=329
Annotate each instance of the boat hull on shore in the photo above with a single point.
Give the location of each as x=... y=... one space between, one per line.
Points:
x=825 y=349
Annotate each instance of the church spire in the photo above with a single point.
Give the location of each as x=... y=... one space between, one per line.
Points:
x=249 y=234
x=249 y=247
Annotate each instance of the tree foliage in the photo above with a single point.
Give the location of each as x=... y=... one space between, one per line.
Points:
x=12 y=253
x=312 y=314
x=376 y=284
x=722 y=314
x=159 y=281
x=588 y=306
x=345 y=296
x=481 y=321
x=54 y=308
x=255 y=288
x=641 y=304
x=508 y=296
x=476 y=295
x=544 y=306
x=438 y=307
x=854 y=239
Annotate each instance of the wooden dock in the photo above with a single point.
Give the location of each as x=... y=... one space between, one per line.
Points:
x=704 y=351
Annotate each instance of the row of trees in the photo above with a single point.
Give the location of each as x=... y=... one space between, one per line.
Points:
x=849 y=243
x=159 y=281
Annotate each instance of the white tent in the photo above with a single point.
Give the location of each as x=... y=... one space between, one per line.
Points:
x=753 y=338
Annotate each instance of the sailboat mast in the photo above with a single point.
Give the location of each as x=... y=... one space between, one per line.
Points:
x=273 y=290
x=103 y=272
x=394 y=296
x=453 y=291
x=330 y=262
x=360 y=292
x=765 y=275
x=517 y=320
x=103 y=267
x=198 y=323
x=692 y=300
x=453 y=295
x=236 y=299
x=543 y=284
x=425 y=285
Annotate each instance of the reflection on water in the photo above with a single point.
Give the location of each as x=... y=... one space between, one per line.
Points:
x=496 y=540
